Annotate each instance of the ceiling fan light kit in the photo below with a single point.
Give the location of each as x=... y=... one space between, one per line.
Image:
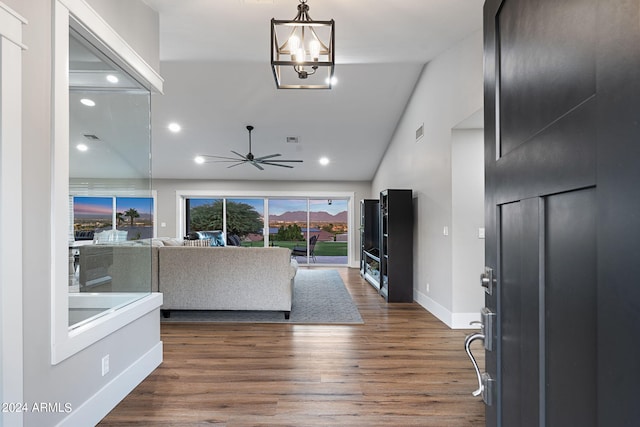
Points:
x=302 y=51
x=258 y=162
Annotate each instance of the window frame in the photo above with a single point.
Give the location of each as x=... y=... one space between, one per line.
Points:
x=182 y=195
x=82 y=18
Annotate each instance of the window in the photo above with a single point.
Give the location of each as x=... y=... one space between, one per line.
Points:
x=328 y=220
x=109 y=148
x=287 y=222
x=244 y=219
x=316 y=229
x=93 y=215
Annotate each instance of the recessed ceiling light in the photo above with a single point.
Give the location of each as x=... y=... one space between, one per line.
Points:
x=112 y=79
x=82 y=147
x=199 y=160
x=88 y=102
x=174 y=127
x=324 y=161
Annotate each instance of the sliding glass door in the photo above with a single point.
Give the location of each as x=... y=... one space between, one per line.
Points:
x=241 y=220
x=328 y=222
x=203 y=215
x=244 y=222
x=315 y=229
x=287 y=219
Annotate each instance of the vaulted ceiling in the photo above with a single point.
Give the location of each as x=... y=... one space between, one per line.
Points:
x=215 y=62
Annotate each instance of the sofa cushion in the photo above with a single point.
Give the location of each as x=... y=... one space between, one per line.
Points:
x=230 y=278
x=171 y=241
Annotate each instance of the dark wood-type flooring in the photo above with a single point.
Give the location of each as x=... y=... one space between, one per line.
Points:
x=403 y=367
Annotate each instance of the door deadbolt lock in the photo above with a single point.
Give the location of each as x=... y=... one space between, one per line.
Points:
x=487 y=280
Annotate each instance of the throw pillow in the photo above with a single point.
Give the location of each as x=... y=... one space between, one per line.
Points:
x=197 y=243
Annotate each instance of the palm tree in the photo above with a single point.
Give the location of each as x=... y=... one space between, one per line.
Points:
x=119 y=218
x=132 y=214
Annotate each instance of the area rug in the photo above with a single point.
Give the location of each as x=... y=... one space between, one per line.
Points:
x=319 y=297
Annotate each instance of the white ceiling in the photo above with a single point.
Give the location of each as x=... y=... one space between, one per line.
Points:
x=215 y=62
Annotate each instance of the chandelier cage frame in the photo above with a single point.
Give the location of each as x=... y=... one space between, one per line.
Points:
x=290 y=72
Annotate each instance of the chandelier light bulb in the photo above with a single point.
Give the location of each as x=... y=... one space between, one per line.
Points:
x=300 y=55
x=294 y=46
x=314 y=49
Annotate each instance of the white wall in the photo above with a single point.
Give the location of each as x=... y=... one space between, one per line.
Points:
x=167 y=188
x=137 y=23
x=467 y=185
x=78 y=379
x=11 y=354
x=449 y=90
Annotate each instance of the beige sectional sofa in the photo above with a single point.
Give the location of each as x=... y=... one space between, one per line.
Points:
x=194 y=278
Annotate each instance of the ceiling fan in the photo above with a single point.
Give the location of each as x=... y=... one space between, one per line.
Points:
x=250 y=158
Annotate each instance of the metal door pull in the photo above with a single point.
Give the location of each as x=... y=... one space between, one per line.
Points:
x=467 y=343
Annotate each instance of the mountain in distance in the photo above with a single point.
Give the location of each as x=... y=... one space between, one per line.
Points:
x=301 y=216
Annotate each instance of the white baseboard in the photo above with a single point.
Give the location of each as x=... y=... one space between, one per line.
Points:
x=452 y=320
x=463 y=320
x=100 y=404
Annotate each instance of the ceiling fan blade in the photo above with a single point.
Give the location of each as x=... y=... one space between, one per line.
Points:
x=277 y=164
x=238 y=154
x=226 y=161
x=258 y=159
x=218 y=157
x=286 y=161
x=239 y=163
x=257 y=165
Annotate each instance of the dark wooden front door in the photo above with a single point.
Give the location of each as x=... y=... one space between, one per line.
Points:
x=562 y=158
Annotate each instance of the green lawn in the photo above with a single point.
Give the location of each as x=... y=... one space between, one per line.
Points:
x=322 y=248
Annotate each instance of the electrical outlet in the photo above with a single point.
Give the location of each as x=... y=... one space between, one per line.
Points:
x=105 y=365
x=445 y=231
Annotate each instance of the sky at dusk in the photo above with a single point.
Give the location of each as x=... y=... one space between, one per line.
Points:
x=144 y=205
x=93 y=206
x=103 y=206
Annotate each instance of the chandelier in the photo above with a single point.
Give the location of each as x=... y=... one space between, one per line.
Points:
x=302 y=51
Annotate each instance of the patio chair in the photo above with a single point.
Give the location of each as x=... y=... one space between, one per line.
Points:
x=302 y=250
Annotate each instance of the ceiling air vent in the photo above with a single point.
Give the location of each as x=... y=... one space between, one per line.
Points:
x=91 y=137
x=292 y=140
x=420 y=132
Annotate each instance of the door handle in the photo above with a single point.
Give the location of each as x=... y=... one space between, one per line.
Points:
x=487 y=325
x=467 y=343
x=486 y=384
